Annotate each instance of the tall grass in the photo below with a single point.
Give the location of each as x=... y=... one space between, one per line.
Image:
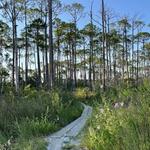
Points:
x=125 y=128
x=34 y=113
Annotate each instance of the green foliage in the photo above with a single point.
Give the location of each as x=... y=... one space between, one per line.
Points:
x=33 y=114
x=84 y=94
x=36 y=127
x=68 y=114
x=32 y=144
x=125 y=128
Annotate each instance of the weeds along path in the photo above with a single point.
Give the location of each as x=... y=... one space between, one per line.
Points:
x=57 y=140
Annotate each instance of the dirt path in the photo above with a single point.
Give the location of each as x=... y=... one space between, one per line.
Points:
x=58 y=139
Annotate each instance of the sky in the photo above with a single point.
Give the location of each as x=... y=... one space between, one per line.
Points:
x=119 y=7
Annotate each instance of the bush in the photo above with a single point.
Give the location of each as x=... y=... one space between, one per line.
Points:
x=84 y=95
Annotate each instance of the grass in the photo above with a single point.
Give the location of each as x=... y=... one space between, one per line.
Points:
x=32 y=144
x=123 y=128
x=27 y=118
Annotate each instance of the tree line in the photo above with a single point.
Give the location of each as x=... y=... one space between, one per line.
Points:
x=49 y=52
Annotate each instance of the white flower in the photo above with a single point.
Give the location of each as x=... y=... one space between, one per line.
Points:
x=98 y=127
x=101 y=110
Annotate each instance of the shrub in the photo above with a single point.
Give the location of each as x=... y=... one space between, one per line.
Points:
x=84 y=95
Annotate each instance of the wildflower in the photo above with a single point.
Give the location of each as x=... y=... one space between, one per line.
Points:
x=98 y=127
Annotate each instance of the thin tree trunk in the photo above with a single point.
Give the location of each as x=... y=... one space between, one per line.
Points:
x=123 y=56
x=46 y=53
x=91 y=52
x=51 y=57
x=75 y=56
x=103 y=45
x=26 y=45
x=126 y=50
x=132 y=50
x=84 y=64
x=137 y=63
x=38 y=62
x=15 y=47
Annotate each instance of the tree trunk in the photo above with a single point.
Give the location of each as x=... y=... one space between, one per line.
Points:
x=103 y=45
x=38 y=62
x=132 y=72
x=15 y=49
x=51 y=58
x=75 y=56
x=137 y=63
x=26 y=46
x=46 y=53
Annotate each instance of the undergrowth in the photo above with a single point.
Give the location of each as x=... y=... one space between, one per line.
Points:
x=34 y=114
x=125 y=128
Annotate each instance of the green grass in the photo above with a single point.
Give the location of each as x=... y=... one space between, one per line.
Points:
x=31 y=144
x=123 y=128
x=27 y=118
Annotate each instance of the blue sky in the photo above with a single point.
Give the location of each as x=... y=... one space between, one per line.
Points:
x=120 y=7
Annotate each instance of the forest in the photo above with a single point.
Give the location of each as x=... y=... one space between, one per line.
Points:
x=54 y=64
